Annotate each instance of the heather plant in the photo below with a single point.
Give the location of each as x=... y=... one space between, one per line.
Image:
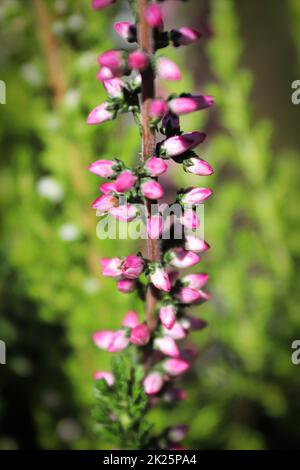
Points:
x=156 y=356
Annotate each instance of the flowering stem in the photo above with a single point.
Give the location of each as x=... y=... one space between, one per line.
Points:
x=148 y=142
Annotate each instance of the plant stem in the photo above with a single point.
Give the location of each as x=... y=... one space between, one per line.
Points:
x=148 y=143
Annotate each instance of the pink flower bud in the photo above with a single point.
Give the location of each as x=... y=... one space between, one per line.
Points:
x=126 y=30
x=152 y=189
x=114 y=87
x=195 y=281
x=158 y=108
x=153 y=383
x=126 y=285
x=197 y=166
x=186 y=295
x=167 y=315
x=125 y=181
x=195 y=244
x=153 y=16
x=195 y=196
x=154 y=226
x=107 y=376
x=104 y=203
x=107 y=188
x=103 y=338
x=132 y=266
x=104 y=168
x=156 y=166
x=99 y=4
x=114 y=60
x=167 y=69
x=160 y=279
x=104 y=74
x=167 y=346
x=190 y=219
x=124 y=213
x=189 y=104
x=180 y=258
x=176 y=332
x=100 y=114
x=111 y=267
x=175 y=367
x=119 y=341
x=182 y=143
x=131 y=319
x=138 y=60
x=184 y=36
x=140 y=335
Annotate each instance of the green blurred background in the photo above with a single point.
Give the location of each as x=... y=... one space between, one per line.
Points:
x=243 y=391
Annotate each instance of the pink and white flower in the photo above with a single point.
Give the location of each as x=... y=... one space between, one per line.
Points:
x=197 y=166
x=175 y=367
x=153 y=383
x=158 y=108
x=107 y=376
x=103 y=338
x=108 y=187
x=132 y=266
x=111 y=267
x=100 y=114
x=114 y=87
x=195 y=196
x=167 y=315
x=124 y=213
x=189 y=104
x=138 y=60
x=114 y=60
x=155 y=166
x=181 y=143
x=167 y=69
x=190 y=219
x=186 y=295
x=152 y=189
x=166 y=345
x=195 y=281
x=126 y=285
x=176 y=332
x=153 y=16
x=104 y=74
x=125 y=181
x=185 y=36
x=180 y=258
x=140 y=335
x=104 y=168
x=126 y=30
x=131 y=319
x=119 y=341
x=160 y=279
x=104 y=203
x=195 y=244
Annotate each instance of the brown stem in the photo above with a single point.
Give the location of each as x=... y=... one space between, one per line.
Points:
x=148 y=142
x=51 y=48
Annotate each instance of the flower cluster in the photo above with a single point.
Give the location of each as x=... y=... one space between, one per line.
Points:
x=121 y=74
